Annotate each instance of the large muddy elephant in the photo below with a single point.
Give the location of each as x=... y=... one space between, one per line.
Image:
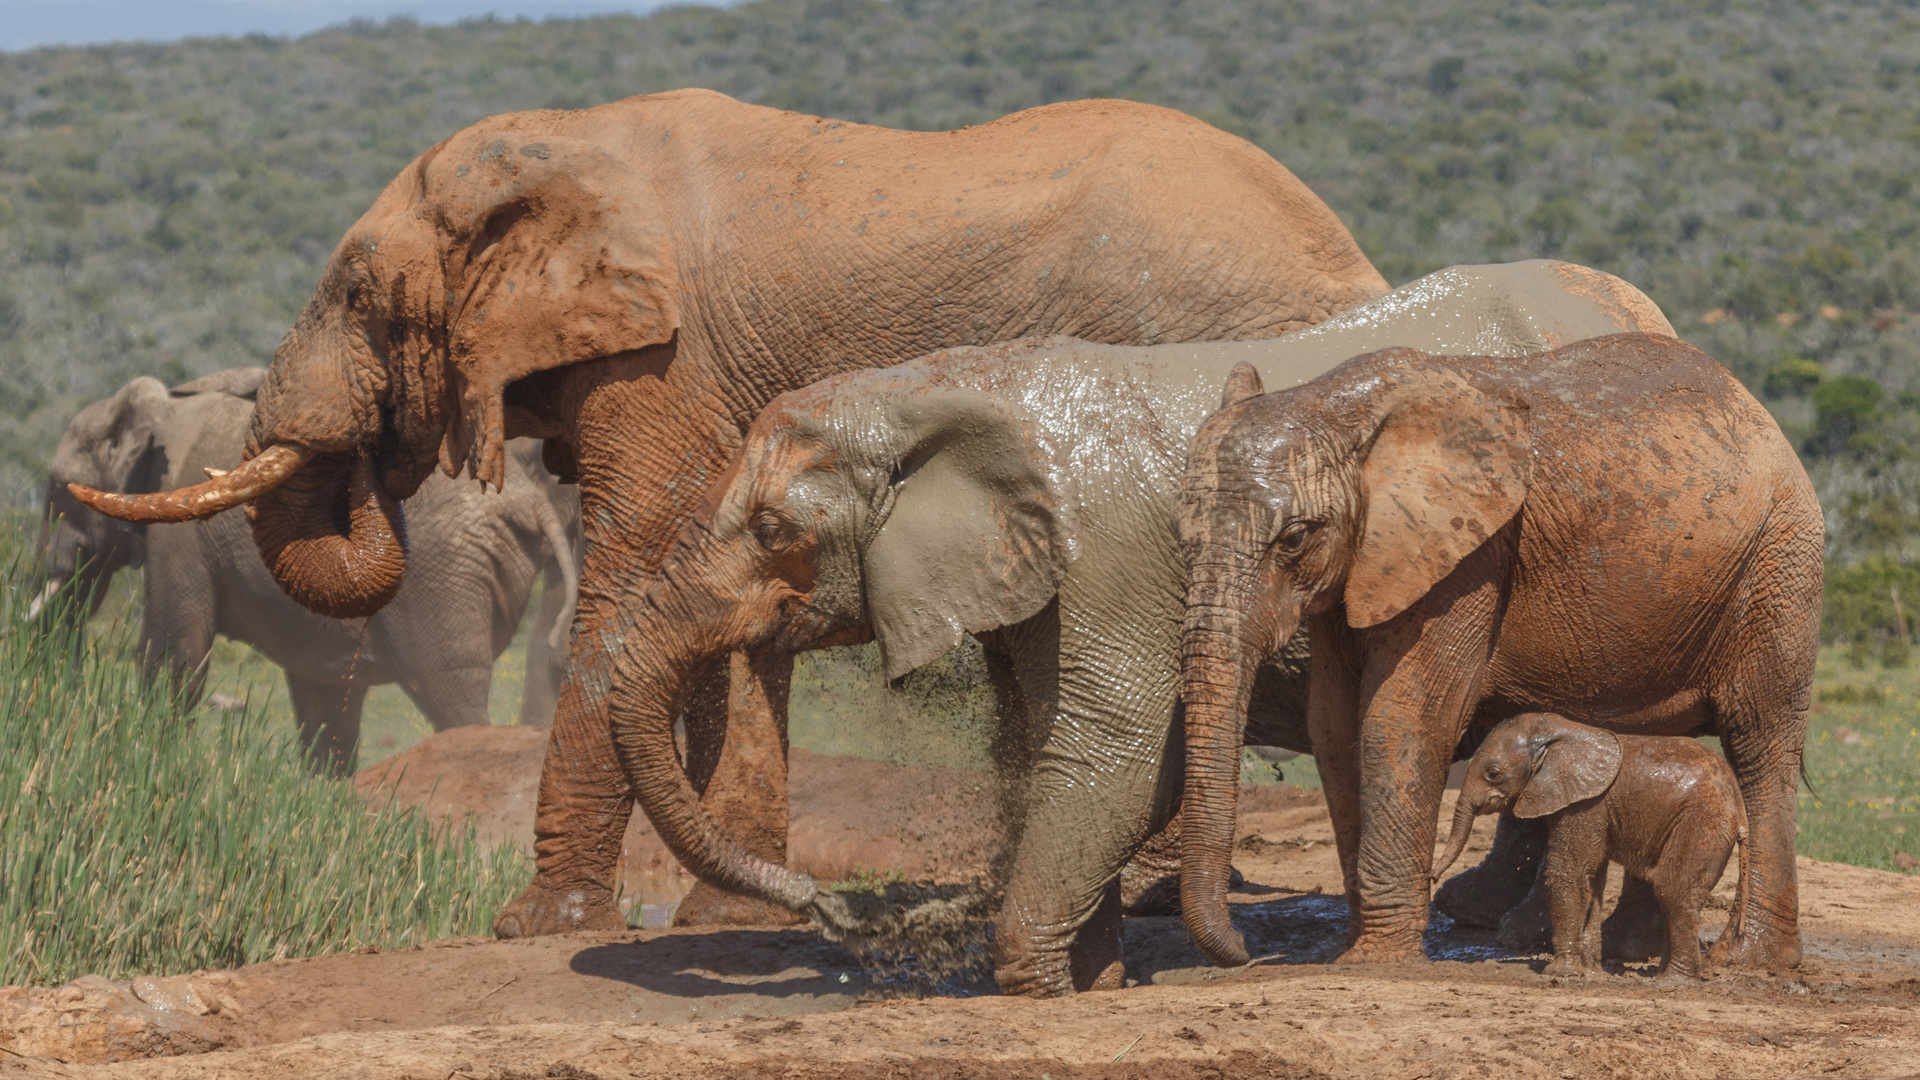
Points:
x=634 y=282
x=1023 y=493
x=475 y=555
x=1614 y=531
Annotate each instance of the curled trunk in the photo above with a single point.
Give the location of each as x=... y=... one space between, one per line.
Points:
x=1217 y=683
x=650 y=677
x=333 y=538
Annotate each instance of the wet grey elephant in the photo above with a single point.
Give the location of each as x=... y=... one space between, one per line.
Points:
x=477 y=553
x=1022 y=493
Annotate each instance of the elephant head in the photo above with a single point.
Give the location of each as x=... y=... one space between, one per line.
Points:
x=1357 y=493
x=112 y=445
x=510 y=249
x=1530 y=766
x=877 y=504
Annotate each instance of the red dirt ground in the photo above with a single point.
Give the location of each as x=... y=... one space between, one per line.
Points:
x=782 y=1003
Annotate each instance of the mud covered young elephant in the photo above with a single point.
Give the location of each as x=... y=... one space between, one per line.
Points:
x=1023 y=493
x=634 y=282
x=1614 y=531
x=1666 y=808
x=476 y=555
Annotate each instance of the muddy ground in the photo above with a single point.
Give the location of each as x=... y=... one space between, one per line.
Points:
x=782 y=1003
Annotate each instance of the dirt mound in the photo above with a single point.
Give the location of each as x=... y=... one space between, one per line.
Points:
x=849 y=816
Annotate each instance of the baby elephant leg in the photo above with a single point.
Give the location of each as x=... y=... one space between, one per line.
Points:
x=1576 y=860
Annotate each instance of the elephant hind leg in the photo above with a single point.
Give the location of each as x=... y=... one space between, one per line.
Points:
x=328 y=715
x=1095 y=956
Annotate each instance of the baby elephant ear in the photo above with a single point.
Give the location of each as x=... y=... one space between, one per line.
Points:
x=1448 y=467
x=967 y=536
x=1572 y=762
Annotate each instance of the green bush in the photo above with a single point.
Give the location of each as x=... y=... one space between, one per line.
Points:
x=141 y=840
x=1865 y=601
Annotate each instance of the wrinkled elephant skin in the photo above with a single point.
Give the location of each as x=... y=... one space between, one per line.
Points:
x=1023 y=493
x=634 y=282
x=1614 y=531
x=476 y=556
x=1667 y=809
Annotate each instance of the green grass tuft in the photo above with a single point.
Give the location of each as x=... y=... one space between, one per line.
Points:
x=1863 y=758
x=139 y=840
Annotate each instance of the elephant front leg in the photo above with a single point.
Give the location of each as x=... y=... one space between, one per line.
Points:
x=328 y=715
x=737 y=760
x=581 y=817
x=1423 y=668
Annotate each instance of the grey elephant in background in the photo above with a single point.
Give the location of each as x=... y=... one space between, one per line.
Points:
x=1023 y=493
x=477 y=553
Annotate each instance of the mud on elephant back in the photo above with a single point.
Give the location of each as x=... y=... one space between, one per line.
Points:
x=632 y=283
x=1468 y=539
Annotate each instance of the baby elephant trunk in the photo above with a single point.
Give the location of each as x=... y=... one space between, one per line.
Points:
x=1464 y=812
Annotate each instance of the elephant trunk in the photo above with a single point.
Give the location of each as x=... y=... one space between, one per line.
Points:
x=332 y=536
x=1217 y=681
x=1473 y=797
x=675 y=639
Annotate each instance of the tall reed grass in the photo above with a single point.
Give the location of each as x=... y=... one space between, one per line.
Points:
x=137 y=838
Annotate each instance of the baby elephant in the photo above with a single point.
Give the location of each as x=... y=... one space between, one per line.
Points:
x=1667 y=809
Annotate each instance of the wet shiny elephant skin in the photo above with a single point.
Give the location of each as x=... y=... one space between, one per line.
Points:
x=1023 y=493
x=1666 y=808
x=477 y=555
x=1614 y=531
x=634 y=282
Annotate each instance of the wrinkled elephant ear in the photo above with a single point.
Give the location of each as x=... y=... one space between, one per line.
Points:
x=1571 y=762
x=552 y=254
x=124 y=446
x=967 y=534
x=1448 y=466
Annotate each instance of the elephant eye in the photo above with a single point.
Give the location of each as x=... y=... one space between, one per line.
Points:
x=1294 y=537
x=1493 y=772
x=771 y=532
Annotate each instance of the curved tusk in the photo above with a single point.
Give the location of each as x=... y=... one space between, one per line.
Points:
x=251 y=479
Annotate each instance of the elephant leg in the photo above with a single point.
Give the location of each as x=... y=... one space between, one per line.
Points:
x=1483 y=895
x=546 y=665
x=328 y=715
x=1333 y=726
x=737 y=759
x=635 y=439
x=1527 y=927
x=1098 y=786
x=1424 y=669
x=1637 y=929
x=1015 y=741
x=1095 y=961
x=451 y=697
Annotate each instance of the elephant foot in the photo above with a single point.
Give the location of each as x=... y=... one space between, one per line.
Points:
x=1571 y=966
x=1384 y=947
x=1776 y=951
x=1636 y=931
x=1482 y=896
x=708 y=906
x=542 y=910
x=1528 y=927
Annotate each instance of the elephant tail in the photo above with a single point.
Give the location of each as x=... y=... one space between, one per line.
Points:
x=568 y=561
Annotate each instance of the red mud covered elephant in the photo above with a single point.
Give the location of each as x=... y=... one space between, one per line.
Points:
x=632 y=283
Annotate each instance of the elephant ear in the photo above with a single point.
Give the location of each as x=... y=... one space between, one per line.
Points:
x=1448 y=466
x=967 y=534
x=124 y=437
x=1571 y=762
x=552 y=255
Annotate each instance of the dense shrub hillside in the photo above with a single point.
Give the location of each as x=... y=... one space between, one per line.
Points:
x=165 y=209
